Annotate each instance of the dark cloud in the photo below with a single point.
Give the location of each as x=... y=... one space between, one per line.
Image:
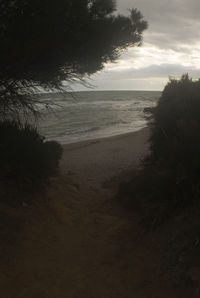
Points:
x=171 y=23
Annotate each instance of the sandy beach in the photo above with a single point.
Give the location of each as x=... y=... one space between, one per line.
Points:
x=97 y=161
x=81 y=243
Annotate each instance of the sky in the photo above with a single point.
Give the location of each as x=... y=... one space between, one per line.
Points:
x=170 y=48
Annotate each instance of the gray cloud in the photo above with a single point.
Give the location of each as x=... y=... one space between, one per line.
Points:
x=171 y=23
x=161 y=71
x=153 y=77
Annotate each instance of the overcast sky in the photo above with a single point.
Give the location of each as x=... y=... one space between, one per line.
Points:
x=171 y=47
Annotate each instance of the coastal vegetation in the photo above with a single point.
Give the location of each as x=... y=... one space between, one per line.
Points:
x=46 y=43
x=175 y=143
x=171 y=171
x=27 y=160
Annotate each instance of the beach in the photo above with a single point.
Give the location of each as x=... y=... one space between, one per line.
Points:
x=80 y=242
x=97 y=161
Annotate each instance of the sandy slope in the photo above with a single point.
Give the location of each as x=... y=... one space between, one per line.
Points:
x=82 y=243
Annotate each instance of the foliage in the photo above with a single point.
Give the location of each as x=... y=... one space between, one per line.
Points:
x=175 y=143
x=171 y=172
x=27 y=160
x=45 y=42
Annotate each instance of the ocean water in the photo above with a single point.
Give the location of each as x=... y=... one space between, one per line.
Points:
x=89 y=115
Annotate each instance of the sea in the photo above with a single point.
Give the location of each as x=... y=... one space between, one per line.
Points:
x=87 y=115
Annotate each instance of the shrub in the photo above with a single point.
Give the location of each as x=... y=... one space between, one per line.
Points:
x=27 y=160
x=175 y=142
x=171 y=172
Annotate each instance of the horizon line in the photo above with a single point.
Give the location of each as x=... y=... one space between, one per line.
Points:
x=92 y=90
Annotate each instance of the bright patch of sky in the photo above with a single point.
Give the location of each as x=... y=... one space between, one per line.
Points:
x=170 y=47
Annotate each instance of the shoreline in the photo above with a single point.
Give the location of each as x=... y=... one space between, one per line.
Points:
x=99 y=138
x=89 y=142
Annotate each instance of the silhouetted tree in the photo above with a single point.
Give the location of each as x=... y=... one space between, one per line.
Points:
x=44 y=42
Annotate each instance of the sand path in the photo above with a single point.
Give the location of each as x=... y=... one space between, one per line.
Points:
x=82 y=243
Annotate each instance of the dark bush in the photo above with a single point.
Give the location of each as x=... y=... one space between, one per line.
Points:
x=171 y=172
x=27 y=161
x=175 y=142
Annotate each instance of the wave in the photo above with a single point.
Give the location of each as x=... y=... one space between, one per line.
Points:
x=96 y=114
